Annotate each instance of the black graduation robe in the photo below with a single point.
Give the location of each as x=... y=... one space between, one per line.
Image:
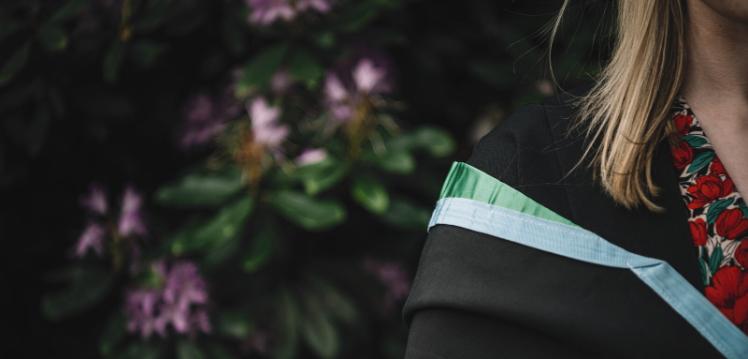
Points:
x=479 y=296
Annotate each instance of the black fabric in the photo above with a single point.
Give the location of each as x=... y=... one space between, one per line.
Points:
x=477 y=296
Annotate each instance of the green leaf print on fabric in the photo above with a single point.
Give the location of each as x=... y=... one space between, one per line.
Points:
x=702 y=160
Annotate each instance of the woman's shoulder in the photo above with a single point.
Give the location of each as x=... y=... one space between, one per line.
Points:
x=532 y=150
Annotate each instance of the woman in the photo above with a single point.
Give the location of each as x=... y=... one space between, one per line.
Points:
x=606 y=223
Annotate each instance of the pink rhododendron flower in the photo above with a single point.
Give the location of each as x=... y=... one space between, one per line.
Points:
x=265 y=127
x=311 y=156
x=266 y=12
x=91 y=238
x=130 y=219
x=345 y=90
x=180 y=302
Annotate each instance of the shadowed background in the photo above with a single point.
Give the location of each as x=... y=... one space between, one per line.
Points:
x=244 y=179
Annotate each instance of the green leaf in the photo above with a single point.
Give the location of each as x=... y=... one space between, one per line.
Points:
x=189 y=350
x=112 y=335
x=88 y=287
x=436 y=142
x=305 y=68
x=716 y=208
x=217 y=232
x=154 y=14
x=308 y=212
x=322 y=175
x=71 y=9
x=359 y=16
x=744 y=208
x=396 y=161
x=52 y=37
x=702 y=271
x=235 y=324
x=325 y=40
x=260 y=249
x=218 y=351
x=113 y=61
x=702 y=160
x=405 y=214
x=715 y=259
x=289 y=321
x=371 y=194
x=139 y=350
x=695 y=141
x=14 y=64
x=337 y=303
x=202 y=188
x=145 y=53
x=318 y=330
x=257 y=73
x=8 y=27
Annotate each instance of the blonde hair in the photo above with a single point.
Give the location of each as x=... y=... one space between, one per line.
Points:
x=625 y=115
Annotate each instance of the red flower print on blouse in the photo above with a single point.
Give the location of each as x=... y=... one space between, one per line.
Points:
x=716 y=167
x=741 y=253
x=708 y=188
x=698 y=231
x=729 y=293
x=682 y=155
x=717 y=217
x=682 y=123
x=731 y=223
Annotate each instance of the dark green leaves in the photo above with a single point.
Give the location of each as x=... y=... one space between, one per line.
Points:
x=52 y=37
x=371 y=194
x=322 y=175
x=140 y=350
x=145 y=53
x=261 y=246
x=257 y=73
x=396 y=160
x=405 y=214
x=113 y=61
x=202 y=188
x=318 y=330
x=431 y=140
x=702 y=271
x=716 y=208
x=288 y=317
x=187 y=349
x=305 y=68
x=715 y=259
x=695 y=141
x=87 y=287
x=68 y=10
x=113 y=334
x=340 y=306
x=436 y=142
x=235 y=324
x=308 y=212
x=702 y=160
x=217 y=232
x=14 y=64
x=397 y=156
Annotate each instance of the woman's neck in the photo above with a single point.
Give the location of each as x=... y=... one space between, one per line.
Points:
x=717 y=55
x=716 y=84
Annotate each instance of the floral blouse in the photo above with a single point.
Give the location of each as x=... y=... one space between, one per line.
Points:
x=718 y=217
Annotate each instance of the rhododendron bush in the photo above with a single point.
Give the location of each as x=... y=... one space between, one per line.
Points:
x=242 y=178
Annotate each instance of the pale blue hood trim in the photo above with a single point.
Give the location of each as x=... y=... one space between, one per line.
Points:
x=504 y=221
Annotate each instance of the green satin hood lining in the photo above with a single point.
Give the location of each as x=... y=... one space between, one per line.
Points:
x=466 y=181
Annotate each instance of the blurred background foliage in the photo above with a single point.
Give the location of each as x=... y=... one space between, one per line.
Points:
x=227 y=178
